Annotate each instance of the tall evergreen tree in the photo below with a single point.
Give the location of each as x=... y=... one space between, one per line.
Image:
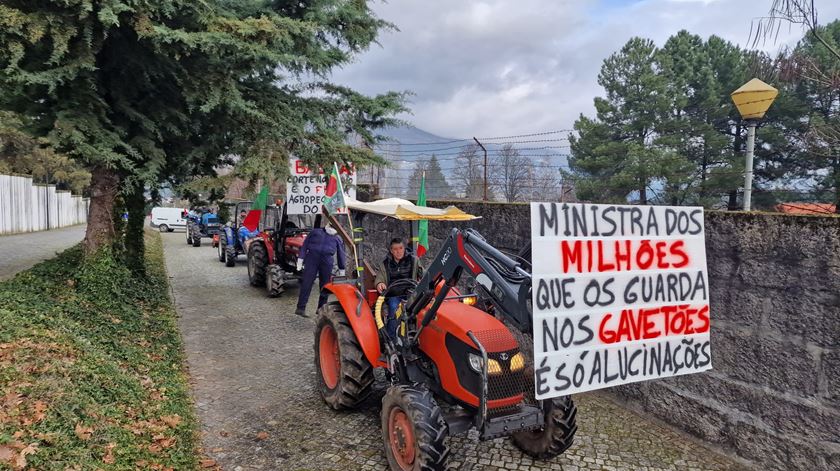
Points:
x=812 y=72
x=616 y=156
x=437 y=187
x=144 y=91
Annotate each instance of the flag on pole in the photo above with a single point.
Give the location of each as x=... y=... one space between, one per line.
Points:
x=334 y=194
x=422 y=225
x=252 y=219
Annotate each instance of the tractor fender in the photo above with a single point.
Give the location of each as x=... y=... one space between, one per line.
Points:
x=229 y=235
x=361 y=320
x=269 y=247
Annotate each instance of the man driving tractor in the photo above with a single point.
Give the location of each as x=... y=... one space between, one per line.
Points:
x=395 y=266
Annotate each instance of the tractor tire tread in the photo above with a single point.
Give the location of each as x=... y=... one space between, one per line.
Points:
x=555 y=438
x=230 y=256
x=430 y=428
x=259 y=256
x=275 y=280
x=356 y=373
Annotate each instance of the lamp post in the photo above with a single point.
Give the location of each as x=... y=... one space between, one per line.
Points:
x=753 y=100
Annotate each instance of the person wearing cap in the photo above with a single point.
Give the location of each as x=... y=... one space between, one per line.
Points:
x=317 y=254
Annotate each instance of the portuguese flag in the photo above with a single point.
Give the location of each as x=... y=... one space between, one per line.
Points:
x=422 y=225
x=252 y=219
x=334 y=194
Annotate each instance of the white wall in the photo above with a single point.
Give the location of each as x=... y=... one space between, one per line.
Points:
x=27 y=207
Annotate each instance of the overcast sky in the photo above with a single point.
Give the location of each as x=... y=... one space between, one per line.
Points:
x=503 y=67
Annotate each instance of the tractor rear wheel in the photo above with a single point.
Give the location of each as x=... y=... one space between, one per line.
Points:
x=230 y=255
x=274 y=280
x=189 y=238
x=196 y=240
x=345 y=376
x=257 y=261
x=556 y=435
x=413 y=429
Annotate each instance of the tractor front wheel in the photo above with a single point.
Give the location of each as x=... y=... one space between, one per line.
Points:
x=274 y=280
x=345 y=376
x=230 y=256
x=555 y=436
x=257 y=261
x=413 y=430
x=221 y=247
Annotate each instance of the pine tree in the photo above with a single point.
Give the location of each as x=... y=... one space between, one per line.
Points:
x=144 y=92
x=436 y=185
x=615 y=157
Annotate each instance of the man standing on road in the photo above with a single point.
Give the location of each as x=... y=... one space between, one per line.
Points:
x=316 y=258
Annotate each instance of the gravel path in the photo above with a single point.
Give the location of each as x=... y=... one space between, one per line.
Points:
x=251 y=362
x=21 y=251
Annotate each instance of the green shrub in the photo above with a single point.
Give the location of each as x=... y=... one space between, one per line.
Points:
x=91 y=371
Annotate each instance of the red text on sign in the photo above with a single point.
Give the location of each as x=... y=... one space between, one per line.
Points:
x=651 y=323
x=594 y=255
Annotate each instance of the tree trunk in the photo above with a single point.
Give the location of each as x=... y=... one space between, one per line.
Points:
x=134 y=245
x=104 y=185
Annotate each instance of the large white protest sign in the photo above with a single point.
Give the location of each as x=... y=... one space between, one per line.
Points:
x=305 y=188
x=620 y=294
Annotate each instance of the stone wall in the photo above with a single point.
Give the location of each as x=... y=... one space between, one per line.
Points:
x=773 y=397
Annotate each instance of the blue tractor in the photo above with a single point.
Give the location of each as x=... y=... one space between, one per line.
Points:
x=232 y=239
x=200 y=224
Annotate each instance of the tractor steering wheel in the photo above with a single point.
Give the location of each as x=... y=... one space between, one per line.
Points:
x=399 y=288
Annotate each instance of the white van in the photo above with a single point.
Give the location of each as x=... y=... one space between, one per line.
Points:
x=168 y=219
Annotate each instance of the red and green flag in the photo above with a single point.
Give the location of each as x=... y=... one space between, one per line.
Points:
x=334 y=194
x=422 y=225
x=252 y=219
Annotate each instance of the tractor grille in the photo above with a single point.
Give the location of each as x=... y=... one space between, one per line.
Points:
x=505 y=378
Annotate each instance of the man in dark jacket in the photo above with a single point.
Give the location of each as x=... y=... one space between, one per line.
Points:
x=396 y=266
x=316 y=258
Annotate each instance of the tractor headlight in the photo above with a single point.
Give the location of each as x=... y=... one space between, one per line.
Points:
x=475 y=362
x=517 y=362
x=493 y=366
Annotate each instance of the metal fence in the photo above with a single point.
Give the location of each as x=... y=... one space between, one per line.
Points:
x=28 y=207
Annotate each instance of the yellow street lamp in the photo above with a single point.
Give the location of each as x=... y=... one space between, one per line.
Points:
x=753 y=100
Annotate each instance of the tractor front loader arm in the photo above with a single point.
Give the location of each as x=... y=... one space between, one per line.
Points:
x=508 y=285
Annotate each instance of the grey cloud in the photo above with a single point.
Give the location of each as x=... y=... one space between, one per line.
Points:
x=498 y=67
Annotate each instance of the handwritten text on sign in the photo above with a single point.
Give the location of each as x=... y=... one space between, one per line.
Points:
x=620 y=294
x=305 y=188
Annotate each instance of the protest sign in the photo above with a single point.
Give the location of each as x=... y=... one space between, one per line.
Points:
x=305 y=188
x=620 y=294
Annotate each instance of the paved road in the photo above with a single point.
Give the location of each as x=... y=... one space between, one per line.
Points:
x=251 y=362
x=21 y=251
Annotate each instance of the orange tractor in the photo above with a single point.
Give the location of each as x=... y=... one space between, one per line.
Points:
x=452 y=367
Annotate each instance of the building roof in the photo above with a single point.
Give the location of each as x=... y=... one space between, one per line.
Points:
x=806 y=208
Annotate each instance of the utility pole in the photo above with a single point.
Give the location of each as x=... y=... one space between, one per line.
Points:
x=485 y=166
x=748 y=174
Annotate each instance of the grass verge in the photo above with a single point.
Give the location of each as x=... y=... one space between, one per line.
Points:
x=91 y=368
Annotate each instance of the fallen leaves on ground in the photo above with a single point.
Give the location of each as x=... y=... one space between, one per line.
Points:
x=83 y=432
x=171 y=420
x=109 y=453
x=262 y=435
